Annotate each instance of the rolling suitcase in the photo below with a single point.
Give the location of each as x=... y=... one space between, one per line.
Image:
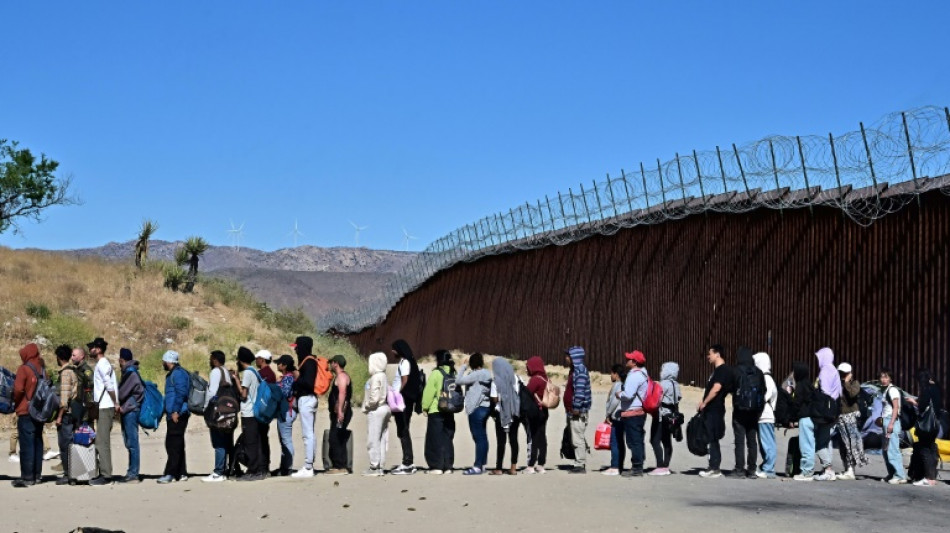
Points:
x=83 y=463
x=327 y=465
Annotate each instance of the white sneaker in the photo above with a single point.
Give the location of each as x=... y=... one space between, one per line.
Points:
x=801 y=477
x=303 y=473
x=540 y=469
x=14 y=458
x=371 y=471
x=760 y=474
x=529 y=470
x=52 y=454
x=923 y=483
x=611 y=472
x=214 y=478
x=434 y=472
x=847 y=475
x=710 y=474
x=825 y=476
x=898 y=481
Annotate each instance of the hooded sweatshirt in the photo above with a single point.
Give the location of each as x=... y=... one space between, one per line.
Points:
x=804 y=390
x=577 y=396
x=411 y=390
x=477 y=384
x=764 y=363
x=539 y=378
x=131 y=389
x=509 y=403
x=376 y=387
x=828 y=377
x=669 y=373
x=24 y=384
x=430 y=395
x=745 y=365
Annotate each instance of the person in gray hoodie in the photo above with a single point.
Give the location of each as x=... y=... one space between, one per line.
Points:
x=477 y=406
x=767 y=419
x=661 y=431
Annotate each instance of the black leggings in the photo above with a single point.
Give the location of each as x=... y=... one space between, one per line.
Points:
x=501 y=436
x=402 y=430
x=538 y=445
x=660 y=434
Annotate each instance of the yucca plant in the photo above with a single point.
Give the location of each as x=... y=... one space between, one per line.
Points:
x=174 y=276
x=149 y=227
x=194 y=247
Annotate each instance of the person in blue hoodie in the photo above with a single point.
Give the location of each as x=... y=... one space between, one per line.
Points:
x=177 y=385
x=577 y=400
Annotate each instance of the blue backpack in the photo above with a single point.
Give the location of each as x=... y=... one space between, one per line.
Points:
x=268 y=400
x=153 y=406
x=6 y=391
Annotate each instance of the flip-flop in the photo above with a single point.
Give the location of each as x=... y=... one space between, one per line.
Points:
x=496 y=473
x=472 y=471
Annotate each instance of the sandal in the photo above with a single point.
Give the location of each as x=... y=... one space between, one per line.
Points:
x=473 y=471
x=513 y=471
x=496 y=472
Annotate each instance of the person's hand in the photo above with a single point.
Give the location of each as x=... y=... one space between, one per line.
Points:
x=700 y=407
x=617 y=394
x=59 y=420
x=175 y=417
x=575 y=412
x=118 y=409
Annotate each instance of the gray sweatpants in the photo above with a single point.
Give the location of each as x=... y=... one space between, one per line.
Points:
x=377 y=435
x=578 y=439
x=104 y=441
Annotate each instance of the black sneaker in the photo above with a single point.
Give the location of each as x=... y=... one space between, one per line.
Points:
x=578 y=470
x=251 y=477
x=750 y=474
x=23 y=483
x=62 y=480
x=130 y=479
x=737 y=474
x=100 y=482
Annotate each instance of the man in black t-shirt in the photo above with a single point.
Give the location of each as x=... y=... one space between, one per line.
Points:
x=713 y=407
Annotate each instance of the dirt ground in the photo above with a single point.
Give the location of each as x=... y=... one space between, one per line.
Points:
x=423 y=503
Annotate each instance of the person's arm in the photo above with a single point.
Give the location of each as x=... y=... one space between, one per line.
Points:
x=341 y=383
x=710 y=397
x=896 y=405
x=239 y=383
x=431 y=392
x=465 y=379
x=108 y=381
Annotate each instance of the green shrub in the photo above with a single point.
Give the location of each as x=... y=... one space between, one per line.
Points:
x=179 y=322
x=65 y=329
x=38 y=311
x=229 y=293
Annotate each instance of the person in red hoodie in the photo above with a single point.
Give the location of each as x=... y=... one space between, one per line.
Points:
x=538 y=441
x=29 y=431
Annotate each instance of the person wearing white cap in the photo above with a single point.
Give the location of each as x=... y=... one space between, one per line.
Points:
x=177 y=384
x=262 y=360
x=852 y=446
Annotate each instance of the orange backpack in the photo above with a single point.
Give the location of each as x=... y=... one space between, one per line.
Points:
x=321 y=384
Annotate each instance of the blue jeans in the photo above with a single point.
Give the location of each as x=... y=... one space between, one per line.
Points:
x=477 y=423
x=30 y=433
x=223 y=444
x=285 y=431
x=892 y=456
x=130 y=435
x=767 y=447
x=633 y=428
x=618 y=450
x=806 y=443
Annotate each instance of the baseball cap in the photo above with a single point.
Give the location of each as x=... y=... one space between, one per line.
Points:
x=844 y=367
x=637 y=357
x=339 y=359
x=171 y=356
x=265 y=355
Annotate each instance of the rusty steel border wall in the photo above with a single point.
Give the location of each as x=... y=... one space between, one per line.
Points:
x=786 y=282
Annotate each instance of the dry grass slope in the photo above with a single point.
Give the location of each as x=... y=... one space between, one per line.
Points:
x=53 y=299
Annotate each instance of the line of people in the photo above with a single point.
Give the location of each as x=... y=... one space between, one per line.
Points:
x=93 y=394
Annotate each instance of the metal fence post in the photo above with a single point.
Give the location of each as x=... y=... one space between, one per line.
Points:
x=646 y=192
x=610 y=191
x=586 y=207
x=597 y=197
x=679 y=170
x=626 y=188
x=722 y=170
x=910 y=153
x=801 y=155
x=573 y=205
x=699 y=176
x=741 y=171
x=659 y=170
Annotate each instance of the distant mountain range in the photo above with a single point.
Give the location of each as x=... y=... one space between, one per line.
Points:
x=312 y=278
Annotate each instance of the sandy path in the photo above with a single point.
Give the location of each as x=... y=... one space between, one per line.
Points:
x=461 y=503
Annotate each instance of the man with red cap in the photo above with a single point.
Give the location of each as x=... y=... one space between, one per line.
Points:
x=631 y=409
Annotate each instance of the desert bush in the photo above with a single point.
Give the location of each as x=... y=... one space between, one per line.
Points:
x=65 y=329
x=179 y=322
x=37 y=311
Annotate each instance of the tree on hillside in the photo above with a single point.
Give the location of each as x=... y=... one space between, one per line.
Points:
x=148 y=229
x=193 y=249
x=28 y=186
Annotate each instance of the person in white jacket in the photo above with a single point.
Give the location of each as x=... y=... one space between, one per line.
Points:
x=377 y=413
x=767 y=420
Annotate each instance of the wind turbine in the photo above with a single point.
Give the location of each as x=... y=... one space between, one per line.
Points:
x=236 y=234
x=406 y=237
x=296 y=233
x=358 y=230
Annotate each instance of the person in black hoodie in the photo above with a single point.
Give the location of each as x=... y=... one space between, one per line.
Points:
x=306 y=401
x=923 y=461
x=408 y=381
x=801 y=406
x=745 y=421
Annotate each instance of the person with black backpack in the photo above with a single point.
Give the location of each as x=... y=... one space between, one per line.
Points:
x=441 y=399
x=713 y=407
x=923 y=460
x=409 y=383
x=222 y=440
x=748 y=400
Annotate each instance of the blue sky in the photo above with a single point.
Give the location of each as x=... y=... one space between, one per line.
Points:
x=427 y=115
